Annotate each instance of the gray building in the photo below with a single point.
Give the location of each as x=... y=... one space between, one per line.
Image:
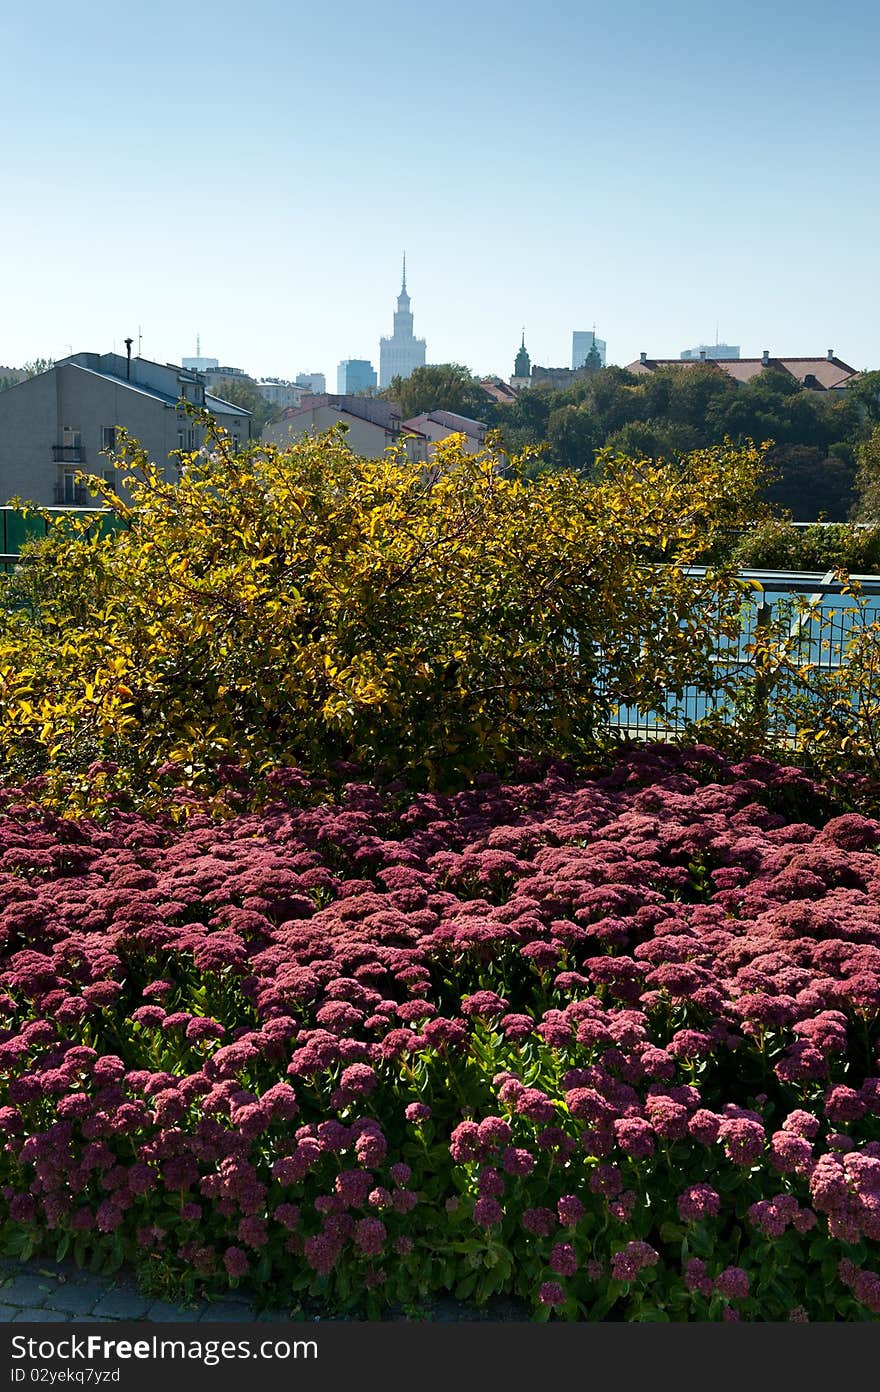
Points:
x=354 y=375
x=60 y=423
x=372 y=425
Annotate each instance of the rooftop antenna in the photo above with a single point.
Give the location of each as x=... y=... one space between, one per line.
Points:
x=198 y=346
x=716 y=333
x=139 y=340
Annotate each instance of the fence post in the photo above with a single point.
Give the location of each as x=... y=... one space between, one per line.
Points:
x=764 y=682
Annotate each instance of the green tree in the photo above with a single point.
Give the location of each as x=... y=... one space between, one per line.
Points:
x=523 y=424
x=809 y=483
x=440 y=387
x=867 y=508
x=864 y=393
x=774 y=406
x=572 y=437
x=243 y=391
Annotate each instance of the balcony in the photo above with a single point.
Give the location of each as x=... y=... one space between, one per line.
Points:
x=67 y=454
x=71 y=495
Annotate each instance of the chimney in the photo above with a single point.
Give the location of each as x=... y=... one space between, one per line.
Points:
x=643 y=357
x=765 y=357
x=830 y=354
x=128 y=343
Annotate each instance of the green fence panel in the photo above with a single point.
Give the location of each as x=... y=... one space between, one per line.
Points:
x=21 y=529
x=17 y=529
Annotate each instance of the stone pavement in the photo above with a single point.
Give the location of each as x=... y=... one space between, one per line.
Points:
x=42 y=1291
x=59 y=1293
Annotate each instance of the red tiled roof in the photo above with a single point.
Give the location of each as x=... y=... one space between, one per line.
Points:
x=499 y=391
x=829 y=373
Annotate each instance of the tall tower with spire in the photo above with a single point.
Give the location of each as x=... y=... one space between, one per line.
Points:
x=402 y=353
x=522 y=367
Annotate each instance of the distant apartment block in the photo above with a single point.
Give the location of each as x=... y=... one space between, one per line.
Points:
x=439 y=425
x=583 y=341
x=354 y=375
x=214 y=377
x=201 y=364
x=59 y=423
x=314 y=382
x=372 y=425
x=710 y=351
x=279 y=393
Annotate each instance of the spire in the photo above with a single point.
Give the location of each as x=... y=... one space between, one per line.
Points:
x=403 y=301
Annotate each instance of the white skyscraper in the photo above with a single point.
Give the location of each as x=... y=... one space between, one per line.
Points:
x=400 y=354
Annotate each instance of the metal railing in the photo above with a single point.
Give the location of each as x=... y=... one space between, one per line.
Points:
x=805 y=618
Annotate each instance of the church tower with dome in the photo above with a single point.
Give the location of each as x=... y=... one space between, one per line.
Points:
x=522 y=367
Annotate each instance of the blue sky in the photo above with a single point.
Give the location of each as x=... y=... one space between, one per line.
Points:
x=251 y=173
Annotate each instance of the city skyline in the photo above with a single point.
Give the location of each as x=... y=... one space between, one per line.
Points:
x=262 y=226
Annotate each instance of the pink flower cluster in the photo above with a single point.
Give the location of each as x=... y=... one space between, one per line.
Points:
x=665 y=985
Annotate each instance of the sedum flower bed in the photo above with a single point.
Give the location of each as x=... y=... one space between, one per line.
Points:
x=606 y=1043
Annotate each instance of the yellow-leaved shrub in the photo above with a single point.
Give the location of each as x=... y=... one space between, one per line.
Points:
x=306 y=605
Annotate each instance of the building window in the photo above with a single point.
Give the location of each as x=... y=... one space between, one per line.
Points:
x=69 y=489
x=108 y=437
x=72 y=439
x=109 y=476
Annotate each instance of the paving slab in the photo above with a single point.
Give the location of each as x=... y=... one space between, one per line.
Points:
x=121 y=1304
x=74 y=1299
x=27 y=1290
x=40 y=1316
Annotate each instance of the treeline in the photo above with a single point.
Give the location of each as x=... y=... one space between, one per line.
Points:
x=819 y=439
